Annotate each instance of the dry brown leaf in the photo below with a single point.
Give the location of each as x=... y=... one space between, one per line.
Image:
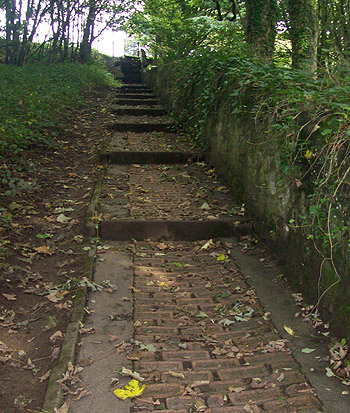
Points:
x=112 y=338
x=82 y=393
x=44 y=250
x=175 y=374
x=199 y=383
x=56 y=336
x=89 y=330
x=45 y=376
x=63 y=409
x=10 y=297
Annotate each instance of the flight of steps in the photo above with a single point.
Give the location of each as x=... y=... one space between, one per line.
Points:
x=157 y=186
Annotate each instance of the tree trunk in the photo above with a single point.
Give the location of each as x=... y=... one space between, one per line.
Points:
x=304 y=34
x=261 y=18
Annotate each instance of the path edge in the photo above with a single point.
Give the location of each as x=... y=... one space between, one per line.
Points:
x=54 y=394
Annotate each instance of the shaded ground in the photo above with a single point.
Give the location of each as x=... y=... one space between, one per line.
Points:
x=41 y=248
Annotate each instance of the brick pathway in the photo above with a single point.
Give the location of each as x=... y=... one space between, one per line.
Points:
x=202 y=341
x=215 y=350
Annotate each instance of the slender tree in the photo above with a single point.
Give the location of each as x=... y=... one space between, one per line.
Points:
x=303 y=34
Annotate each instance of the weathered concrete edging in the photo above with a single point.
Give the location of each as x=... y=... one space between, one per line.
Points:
x=54 y=393
x=92 y=207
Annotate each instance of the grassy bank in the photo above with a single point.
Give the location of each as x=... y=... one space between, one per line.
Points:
x=34 y=99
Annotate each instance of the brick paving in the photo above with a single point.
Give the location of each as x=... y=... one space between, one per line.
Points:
x=211 y=347
x=165 y=192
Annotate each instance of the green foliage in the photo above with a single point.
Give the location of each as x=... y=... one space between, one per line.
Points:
x=309 y=115
x=34 y=98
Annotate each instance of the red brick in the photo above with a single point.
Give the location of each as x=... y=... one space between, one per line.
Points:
x=190 y=376
x=158 y=366
x=242 y=372
x=257 y=396
x=185 y=355
x=234 y=409
x=152 y=315
x=215 y=364
x=278 y=406
x=296 y=389
x=215 y=400
x=163 y=390
x=303 y=402
x=271 y=358
x=159 y=331
x=220 y=386
x=177 y=403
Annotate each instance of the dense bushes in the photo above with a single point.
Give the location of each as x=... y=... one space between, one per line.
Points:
x=299 y=124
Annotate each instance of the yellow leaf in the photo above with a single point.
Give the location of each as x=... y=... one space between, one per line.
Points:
x=132 y=389
x=221 y=257
x=308 y=154
x=44 y=250
x=289 y=330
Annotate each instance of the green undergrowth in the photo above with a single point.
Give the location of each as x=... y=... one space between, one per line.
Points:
x=35 y=98
x=308 y=115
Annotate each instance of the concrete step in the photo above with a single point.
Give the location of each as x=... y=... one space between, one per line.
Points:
x=138 y=102
x=123 y=230
x=158 y=158
x=135 y=111
x=143 y=127
x=138 y=96
x=133 y=89
x=132 y=79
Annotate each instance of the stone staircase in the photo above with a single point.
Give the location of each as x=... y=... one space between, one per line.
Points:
x=151 y=166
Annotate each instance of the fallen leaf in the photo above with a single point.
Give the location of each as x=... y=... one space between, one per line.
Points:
x=62 y=409
x=202 y=314
x=86 y=362
x=308 y=350
x=208 y=244
x=130 y=373
x=10 y=297
x=175 y=374
x=44 y=250
x=83 y=393
x=205 y=206
x=148 y=347
x=289 y=330
x=89 y=330
x=329 y=372
x=45 y=376
x=56 y=296
x=114 y=381
x=63 y=219
x=134 y=290
x=236 y=389
x=112 y=338
x=199 y=383
x=132 y=389
x=221 y=257
x=55 y=336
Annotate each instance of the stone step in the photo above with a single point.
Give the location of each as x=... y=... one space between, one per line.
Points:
x=158 y=158
x=138 y=96
x=136 y=89
x=134 y=86
x=123 y=230
x=134 y=111
x=132 y=79
x=143 y=127
x=138 y=102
